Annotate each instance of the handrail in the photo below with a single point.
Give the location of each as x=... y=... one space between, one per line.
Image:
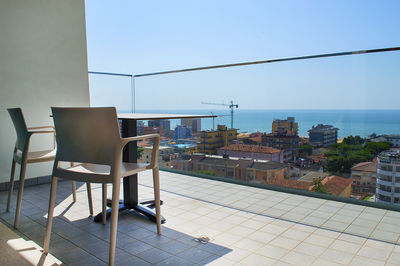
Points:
x=271 y=61
x=132 y=76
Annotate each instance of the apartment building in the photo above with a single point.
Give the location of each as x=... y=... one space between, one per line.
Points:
x=288 y=144
x=286 y=127
x=246 y=169
x=323 y=135
x=363 y=176
x=388 y=177
x=193 y=123
x=211 y=140
x=252 y=151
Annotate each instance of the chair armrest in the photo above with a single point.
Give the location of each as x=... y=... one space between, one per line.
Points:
x=41 y=131
x=34 y=128
x=156 y=144
x=137 y=138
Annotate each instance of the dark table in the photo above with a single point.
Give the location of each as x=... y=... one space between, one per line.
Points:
x=130 y=183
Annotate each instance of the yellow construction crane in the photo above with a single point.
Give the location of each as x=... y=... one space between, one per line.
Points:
x=231 y=106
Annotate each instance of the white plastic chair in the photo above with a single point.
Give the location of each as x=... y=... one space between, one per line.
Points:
x=23 y=156
x=91 y=138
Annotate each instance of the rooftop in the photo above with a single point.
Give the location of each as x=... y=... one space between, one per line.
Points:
x=269 y=165
x=321 y=127
x=365 y=166
x=310 y=176
x=389 y=155
x=246 y=226
x=296 y=184
x=250 y=148
x=335 y=185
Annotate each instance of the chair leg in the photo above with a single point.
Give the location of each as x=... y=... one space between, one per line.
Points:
x=20 y=192
x=114 y=222
x=156 y=182
x=10 y=189
x=104 y=203
x=50 y=215
x=73 y=187
x=89 y=195
x=73 y=191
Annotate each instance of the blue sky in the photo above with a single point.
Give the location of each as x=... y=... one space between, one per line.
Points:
x=150 y=36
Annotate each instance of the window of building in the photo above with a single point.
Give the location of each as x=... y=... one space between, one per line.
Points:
x=385 y=188
x=386 y=178
x=385 y=167
x=229 y=172
x=250 y=175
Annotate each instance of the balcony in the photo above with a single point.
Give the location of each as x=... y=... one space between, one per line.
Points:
x=245 y=225
x=253 y=223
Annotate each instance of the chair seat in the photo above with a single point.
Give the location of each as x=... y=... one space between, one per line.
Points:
x=98 y=173
x=37 y=156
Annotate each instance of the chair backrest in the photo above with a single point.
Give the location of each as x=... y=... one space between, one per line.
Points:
x=87 y=135
x=20 y=127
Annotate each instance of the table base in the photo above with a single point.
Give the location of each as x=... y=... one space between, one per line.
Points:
x=143 y=208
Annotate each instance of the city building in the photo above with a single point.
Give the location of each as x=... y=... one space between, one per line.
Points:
x=182 y=132
x=252 y=138
x=264 y=171
x=253 y=170
x=388 y=177
x=211 y=140
x=151 y=130
x=252 y=151
x=288 y=144
x=193 y=123
x=311 y=175
x=363 y=176
x=394 y=139
x=287 y=127
x=163 y=123
x=164 y=126
x=289 y=183
x=165 y=155
x=338 y=186
x=323 y=135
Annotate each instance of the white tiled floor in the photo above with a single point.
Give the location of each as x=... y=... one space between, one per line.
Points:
x=247 y=226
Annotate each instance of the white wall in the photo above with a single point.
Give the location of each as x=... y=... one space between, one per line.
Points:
x=43 y=63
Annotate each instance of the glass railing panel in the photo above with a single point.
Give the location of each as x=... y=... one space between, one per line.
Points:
x=111 y=90
x=357 y=95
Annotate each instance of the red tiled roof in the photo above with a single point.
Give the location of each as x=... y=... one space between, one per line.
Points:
x=256 y=139
x=250 y=148
x=302 y=185
x=336 y=184
x=365 y=166
x=256 y=134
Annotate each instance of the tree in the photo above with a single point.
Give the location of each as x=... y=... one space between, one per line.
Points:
x=357 y=140
x=139 y=152
x=377 y=147
x=318 y=186
x=342 y=156
x=305 y=150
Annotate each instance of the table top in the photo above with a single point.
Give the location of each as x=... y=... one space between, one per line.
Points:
x=142 y=116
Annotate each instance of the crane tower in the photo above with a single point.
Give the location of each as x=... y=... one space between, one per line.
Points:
x=231 y=106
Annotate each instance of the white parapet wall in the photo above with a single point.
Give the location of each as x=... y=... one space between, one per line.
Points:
x=43 y=63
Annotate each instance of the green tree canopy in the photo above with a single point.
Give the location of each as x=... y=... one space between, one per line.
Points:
x=318 y=186
x=305 y=150
x=342 y=156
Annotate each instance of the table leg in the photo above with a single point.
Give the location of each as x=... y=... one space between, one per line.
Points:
x=130 y=183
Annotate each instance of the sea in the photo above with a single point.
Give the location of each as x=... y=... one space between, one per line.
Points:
x=349 y=122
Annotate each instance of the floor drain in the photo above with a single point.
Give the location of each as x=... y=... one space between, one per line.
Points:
x=202 y=239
